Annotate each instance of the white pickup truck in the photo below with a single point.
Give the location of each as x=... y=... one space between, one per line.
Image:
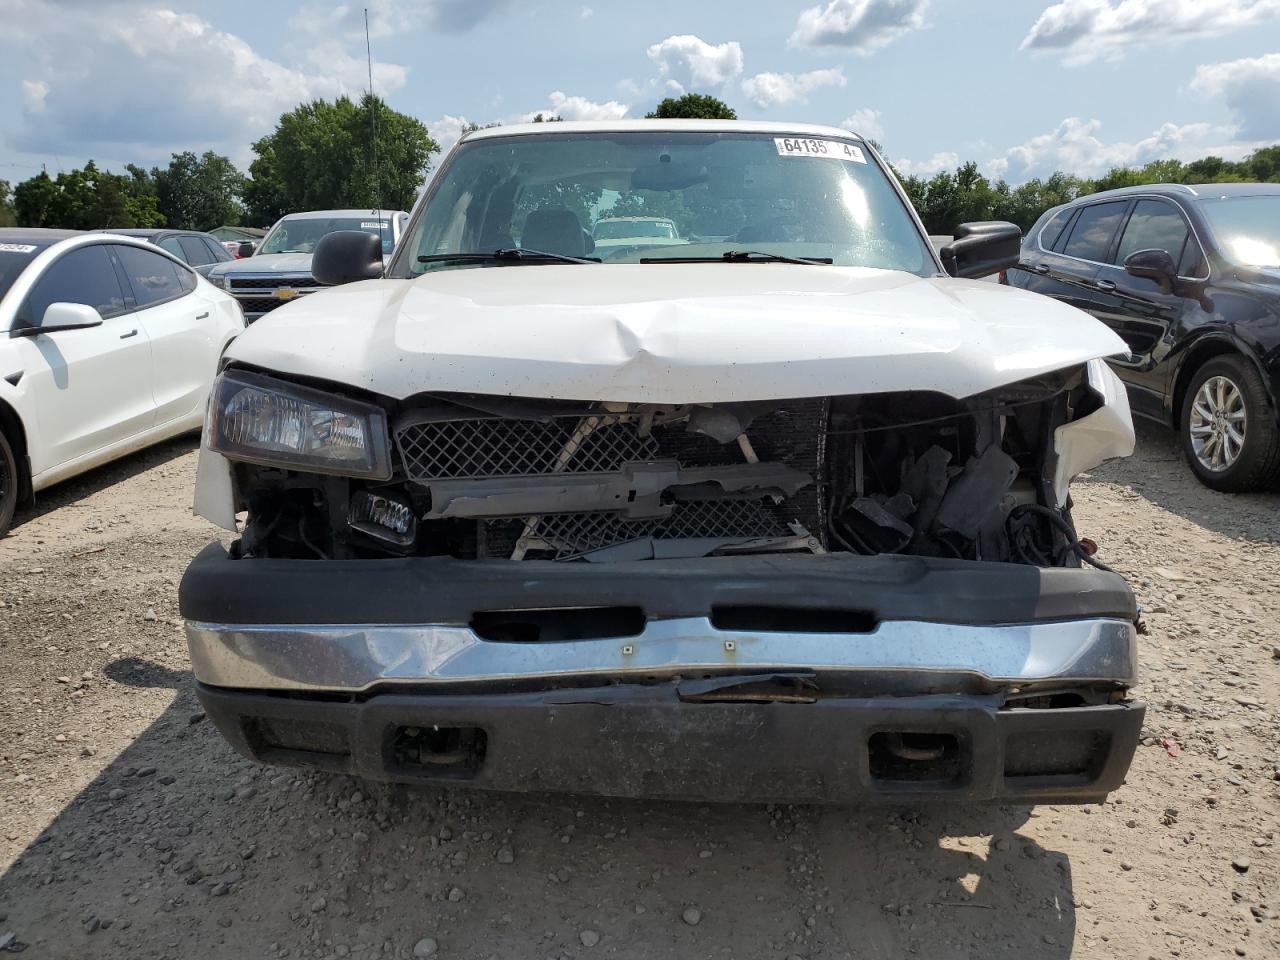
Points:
x=779 y=515
x=278 y=269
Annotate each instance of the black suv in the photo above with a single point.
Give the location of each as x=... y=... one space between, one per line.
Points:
x=199 y=250
x=1189 y=277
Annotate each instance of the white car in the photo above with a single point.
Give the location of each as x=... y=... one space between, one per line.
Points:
x=618 y=235
x=783 y=515
x=110 y=344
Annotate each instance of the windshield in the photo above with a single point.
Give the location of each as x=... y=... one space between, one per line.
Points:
x=1247 y=228
x=704 y=194
x=301 y=234
x=14 y=258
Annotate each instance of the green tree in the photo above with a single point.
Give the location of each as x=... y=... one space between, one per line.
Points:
x=341 y=154
x=8 y=217
x=86 y=199
x=199 y=193
x=692 y=106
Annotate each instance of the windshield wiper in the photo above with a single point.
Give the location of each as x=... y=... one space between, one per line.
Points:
x=740 y=256
x=505 y=254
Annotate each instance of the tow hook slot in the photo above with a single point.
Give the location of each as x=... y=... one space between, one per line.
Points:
x=906 y=755
x=438 y=751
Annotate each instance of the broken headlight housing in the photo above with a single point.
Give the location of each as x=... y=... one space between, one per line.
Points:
x=262 y=420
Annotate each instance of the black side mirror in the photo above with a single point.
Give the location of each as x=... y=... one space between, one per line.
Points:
x=982 y=248
x=346 y=256
x=245 y=250
x=1154 y=265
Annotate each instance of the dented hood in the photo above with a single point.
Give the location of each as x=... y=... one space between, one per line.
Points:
x=673 y=333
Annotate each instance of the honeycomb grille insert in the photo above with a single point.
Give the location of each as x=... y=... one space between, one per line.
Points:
x=478 y=448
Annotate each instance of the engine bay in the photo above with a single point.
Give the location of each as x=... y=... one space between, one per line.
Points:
x=484 y=477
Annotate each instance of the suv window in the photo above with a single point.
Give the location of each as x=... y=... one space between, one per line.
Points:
x=84 y=275
x=219 y=253
x=170 y=244
x=1153 y=225
x=1091 y=236
x=154 y=278
x=1053 y=229
x=195 y=252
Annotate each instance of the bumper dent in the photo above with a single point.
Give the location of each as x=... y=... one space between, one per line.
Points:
x=898 y=657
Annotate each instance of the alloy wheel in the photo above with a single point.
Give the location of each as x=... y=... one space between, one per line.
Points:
x=1217 y=424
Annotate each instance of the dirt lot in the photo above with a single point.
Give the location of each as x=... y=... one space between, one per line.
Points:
x=128 y=829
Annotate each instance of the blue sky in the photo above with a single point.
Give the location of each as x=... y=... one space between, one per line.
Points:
x=1021 y=86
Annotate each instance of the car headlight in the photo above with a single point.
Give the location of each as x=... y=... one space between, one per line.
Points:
x=220 y=280
x=271 y=422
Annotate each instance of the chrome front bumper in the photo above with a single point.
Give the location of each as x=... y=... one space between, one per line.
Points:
x=898 y=657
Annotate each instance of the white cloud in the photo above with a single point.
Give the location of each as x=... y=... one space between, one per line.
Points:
x=779 y=89
x=33 y=95
x=944 y=160
x=865 y=122
x=140 y=82
x=861 y=25
x=688 y=62
x=585 y=13
x=576 y=108
x=447 y=131
x=1251 y=87
x=392 y=17
x=1075 y=147
x=1085 y=30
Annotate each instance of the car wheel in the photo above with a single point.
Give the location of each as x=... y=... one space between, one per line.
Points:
x=9 y=484
x=1229 y=429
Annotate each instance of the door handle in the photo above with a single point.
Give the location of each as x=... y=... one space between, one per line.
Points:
x=1042 y=268
x=131 y=333
x=203 y=316
x=1106 y=286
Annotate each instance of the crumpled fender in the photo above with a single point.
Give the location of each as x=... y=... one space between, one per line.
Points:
x=1093 y=439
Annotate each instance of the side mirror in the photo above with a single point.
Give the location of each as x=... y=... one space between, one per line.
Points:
x=1154 y=265
x=981 y=249
x=244 y=250
x=346 y=256
x=63 y=316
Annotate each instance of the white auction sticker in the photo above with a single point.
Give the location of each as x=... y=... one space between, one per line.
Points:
x=372 y=226
x=17 y=248
x=830 y=149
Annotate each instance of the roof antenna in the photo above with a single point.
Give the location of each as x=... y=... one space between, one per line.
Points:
x=373 y=132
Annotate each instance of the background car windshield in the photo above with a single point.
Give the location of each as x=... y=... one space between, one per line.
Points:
x=301 y=234
x=723 y=191
x=625 y=229
x=1247 y=228
x=14 y=258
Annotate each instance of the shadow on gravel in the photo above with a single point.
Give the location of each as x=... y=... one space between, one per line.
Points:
x=181 y=849
x=108 y=475
x=1157 y=472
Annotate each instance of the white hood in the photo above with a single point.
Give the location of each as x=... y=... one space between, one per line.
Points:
x=677 y=333
x=269 y=263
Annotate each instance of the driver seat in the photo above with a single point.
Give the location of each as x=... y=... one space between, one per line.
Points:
x=555 y=230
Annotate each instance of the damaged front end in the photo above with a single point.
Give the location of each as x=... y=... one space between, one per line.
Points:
x=480 y=477
x=817 y=599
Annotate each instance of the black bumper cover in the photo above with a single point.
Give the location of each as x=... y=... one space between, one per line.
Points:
x=644 y=741
x=217 y=589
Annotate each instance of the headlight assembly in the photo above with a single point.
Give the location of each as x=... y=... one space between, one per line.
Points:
x=271 y=422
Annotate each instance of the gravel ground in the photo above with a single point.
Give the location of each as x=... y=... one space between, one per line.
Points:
x=128 y=828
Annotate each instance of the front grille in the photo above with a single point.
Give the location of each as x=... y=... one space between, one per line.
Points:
x=568 y=535
x=476 y=448
x=259 y=304
x=269 y=283
x=471 y=449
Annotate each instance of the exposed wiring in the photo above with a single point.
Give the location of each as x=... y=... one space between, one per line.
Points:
x=1073 y=544
x=959 y=415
